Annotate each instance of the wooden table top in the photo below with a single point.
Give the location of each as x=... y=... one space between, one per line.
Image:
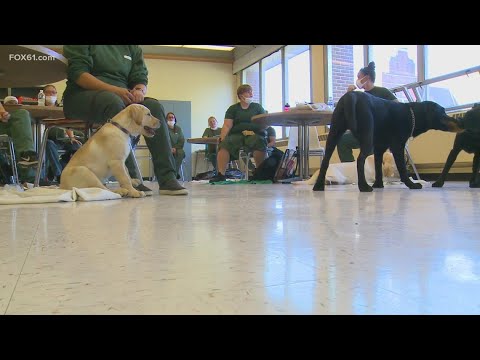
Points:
x=207 y=140
x=30 y=65
x=294 y=118
x=38 y=112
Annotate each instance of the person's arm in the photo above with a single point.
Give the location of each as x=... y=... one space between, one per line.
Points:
x=71 y=136
x=205 y=133
x=4 y=115
x=138 y=76
x=227 y=126
x=181 y=139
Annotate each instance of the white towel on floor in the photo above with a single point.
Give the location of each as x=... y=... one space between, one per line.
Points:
x=40 y=195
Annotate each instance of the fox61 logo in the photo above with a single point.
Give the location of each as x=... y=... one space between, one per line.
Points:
x=30 y=57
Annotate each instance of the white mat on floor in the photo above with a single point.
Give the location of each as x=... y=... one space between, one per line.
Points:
x=42 y=195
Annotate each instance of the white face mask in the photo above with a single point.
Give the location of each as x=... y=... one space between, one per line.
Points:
x=171 y=123
x=359 y=82
x=248 y=100
x=50 y=100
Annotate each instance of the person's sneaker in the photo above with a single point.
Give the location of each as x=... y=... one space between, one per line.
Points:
x=146 y=190
x=28 y=158
x=172 y=187
x=217 y=178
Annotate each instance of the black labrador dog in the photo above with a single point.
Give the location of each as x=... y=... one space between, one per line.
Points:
x=380 y=124
x=468 y=141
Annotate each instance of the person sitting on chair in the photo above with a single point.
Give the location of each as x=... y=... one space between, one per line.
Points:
x=177 y=139
x=18 y=125
x=239 y=131
x=211 y=131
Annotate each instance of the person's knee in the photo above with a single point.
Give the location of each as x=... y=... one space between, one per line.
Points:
x=20 y=114
x=111 y=102
x=155 y=107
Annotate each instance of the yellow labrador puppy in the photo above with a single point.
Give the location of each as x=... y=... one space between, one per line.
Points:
x=104 y=154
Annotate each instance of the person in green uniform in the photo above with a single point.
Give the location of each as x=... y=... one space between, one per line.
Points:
x=18 y=125
x=101 y=81
x=211 y=131
x=178 y=141
x=365 y=80
x=239 y=131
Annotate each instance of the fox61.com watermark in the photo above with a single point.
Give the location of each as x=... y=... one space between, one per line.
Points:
x=30 y=57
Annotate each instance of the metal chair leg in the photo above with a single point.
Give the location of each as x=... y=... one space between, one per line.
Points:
x=137 y=168
x=41 y=157
x=410 y=160
x=13 y=159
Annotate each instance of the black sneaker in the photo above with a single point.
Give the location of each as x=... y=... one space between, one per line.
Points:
x=172 y=187
x=217 y=178
x=146 y=190
x=28 y=158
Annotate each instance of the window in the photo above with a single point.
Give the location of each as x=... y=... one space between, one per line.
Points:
x=344 y=61
x=444 y=59
x=272 y=84
x=298 y=74
x=251 y=76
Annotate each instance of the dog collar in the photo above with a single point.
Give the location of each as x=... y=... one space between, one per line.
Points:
x=413 y=123
x=120 y=127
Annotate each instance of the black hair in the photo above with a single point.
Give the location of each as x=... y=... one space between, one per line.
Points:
x=369 y=70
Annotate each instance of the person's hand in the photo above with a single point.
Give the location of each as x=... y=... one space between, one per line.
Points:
x=125 y=94
x=138 y=96
x=351 y=88
x=4 y=116
x=75 y=141
x=248 y=133
x=174 y=151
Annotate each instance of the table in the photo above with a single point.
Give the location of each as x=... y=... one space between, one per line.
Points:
x=38 y=113
x=301 y=119
x=30 y=65
x=204 y=140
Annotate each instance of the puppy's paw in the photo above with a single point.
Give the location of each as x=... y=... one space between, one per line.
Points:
x=121 y=191
x=136 y=194
x=136 y=182
x=438 y=184
x=378 y=185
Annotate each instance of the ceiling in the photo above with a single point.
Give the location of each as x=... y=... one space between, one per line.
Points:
x=237 y=52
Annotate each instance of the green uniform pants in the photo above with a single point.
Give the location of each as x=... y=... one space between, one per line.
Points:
x=347 y=143
x=19 y=128
x=100 y=106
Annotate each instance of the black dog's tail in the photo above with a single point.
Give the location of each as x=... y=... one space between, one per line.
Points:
x=350 y=113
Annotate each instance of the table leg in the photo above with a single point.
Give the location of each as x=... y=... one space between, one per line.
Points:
x=300 y=151
x=306 y=147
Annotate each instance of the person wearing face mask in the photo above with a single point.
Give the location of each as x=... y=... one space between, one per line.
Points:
x=366 y=81
x=211 y=131
x=239 y=131
x=177 y=139
x=58 y=139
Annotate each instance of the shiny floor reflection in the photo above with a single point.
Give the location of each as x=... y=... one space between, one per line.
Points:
x=246 y=249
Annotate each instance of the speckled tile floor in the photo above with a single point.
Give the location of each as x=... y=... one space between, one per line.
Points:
x=246 y=249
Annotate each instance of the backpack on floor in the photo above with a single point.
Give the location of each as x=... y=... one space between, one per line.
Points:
x=288 y=166
x=268 y=168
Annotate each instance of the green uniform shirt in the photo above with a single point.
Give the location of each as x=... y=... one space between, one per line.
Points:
x=242 y=118
x=382 y=92
x=176 y=137
x=211 y=149
x=118 y=65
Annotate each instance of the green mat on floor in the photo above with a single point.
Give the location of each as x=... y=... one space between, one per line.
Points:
x=242 y=182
